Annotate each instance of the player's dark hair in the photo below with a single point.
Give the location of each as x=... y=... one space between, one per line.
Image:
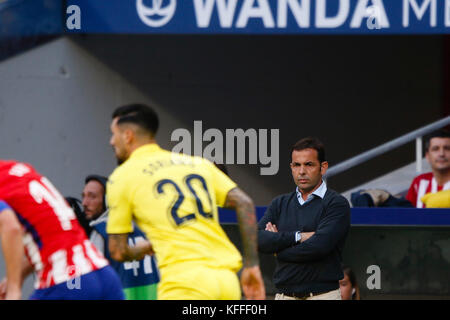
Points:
x=310 y=143
x=352 y=277
x=76 y=206
x=442 y=133
x=142 y=115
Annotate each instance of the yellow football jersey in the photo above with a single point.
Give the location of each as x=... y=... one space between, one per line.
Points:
x=173 y=198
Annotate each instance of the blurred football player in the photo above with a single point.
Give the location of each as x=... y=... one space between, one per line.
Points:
x=66 y=263
x=173 y=198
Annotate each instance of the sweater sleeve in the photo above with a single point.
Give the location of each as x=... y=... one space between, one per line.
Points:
x=332 y=228
x=273 y=242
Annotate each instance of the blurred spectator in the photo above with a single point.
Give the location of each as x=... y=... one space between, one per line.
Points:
x=437 y=152
x=75 y=204
x=377 y=198
x=139 y=278
x=93 y=196
x=349 y=285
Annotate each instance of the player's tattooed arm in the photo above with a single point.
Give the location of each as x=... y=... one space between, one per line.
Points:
x=245 y=211
x=121 y=251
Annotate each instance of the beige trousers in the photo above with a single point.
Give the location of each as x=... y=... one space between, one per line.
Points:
x=331 y=295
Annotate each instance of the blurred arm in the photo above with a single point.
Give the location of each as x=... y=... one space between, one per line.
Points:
x=240 y=202
x=13 y=252
x=251 y=277
x=121 y=251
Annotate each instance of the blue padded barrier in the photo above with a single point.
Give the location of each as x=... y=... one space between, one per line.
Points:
x=374 y=216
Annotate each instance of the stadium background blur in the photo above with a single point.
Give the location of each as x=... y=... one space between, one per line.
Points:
x=354 y=92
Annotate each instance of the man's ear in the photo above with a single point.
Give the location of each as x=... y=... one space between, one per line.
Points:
x=323 y=167
x=128 y=135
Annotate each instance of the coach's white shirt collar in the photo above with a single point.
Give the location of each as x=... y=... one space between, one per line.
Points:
x=320 y=192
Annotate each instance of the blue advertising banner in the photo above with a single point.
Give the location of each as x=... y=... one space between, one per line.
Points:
x=30 y=18
x=25 y=24
x=258 y=16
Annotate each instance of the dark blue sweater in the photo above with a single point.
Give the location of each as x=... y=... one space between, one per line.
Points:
x=315 y=264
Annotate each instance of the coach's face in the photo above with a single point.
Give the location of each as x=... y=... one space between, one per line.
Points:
x=119 y=142
x=307 y=171
x=438 y=154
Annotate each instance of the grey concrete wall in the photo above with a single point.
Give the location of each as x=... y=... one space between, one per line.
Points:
x=55 y=107
x=353 y=92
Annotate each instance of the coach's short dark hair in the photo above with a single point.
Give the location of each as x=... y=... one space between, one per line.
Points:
x=442 y=133
x=310 y=143
x=139 y=114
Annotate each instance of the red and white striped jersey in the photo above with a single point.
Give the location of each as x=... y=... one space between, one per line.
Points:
x=55 y=243
x=421 y=185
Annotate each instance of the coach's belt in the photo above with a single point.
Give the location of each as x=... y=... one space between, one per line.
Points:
x=297 y=295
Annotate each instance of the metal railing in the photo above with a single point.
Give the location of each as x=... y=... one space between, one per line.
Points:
x=388 y=146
